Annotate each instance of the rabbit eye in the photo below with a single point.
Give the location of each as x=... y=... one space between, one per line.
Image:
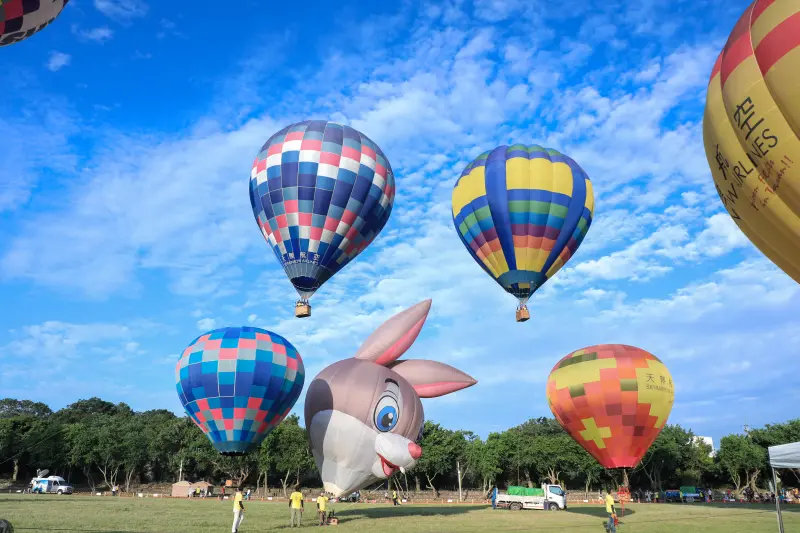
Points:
x=387 y=413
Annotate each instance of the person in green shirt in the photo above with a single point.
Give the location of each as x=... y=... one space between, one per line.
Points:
x=322 y=508
x=296 y=506
x=610 y=510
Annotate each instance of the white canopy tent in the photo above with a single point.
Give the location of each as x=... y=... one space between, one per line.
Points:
x=783 y=456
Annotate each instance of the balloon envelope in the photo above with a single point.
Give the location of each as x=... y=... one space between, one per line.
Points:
x=237 y=384
x=321 y=192
x=364 y=414
x=522 y=212
x=19 y=19
x=751 y=127
x=613 y=399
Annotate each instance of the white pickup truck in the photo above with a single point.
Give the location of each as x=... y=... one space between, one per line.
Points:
x=550 y=497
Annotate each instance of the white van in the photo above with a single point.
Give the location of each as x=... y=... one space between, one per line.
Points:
x=50 y=485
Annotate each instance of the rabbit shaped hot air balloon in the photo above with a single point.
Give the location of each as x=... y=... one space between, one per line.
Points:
x=364 y=413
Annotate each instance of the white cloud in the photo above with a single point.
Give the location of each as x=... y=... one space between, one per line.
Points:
x=749 y=285
x=57 y=61
x=206 y=324
x=252 y=318
x=122 y=10
x=100 y=34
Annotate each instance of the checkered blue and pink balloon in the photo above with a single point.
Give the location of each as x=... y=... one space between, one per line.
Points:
x=320 y=192
x=237 y=384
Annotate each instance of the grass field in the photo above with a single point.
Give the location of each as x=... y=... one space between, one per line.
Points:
x=129 y=515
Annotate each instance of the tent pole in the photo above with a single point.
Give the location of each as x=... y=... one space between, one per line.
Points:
x=777 y=501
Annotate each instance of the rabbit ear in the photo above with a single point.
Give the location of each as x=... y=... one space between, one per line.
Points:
x=431 y=378
x=394 y=336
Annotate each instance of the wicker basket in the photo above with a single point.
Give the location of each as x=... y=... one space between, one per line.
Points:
x=302 y=310
x=523 y=314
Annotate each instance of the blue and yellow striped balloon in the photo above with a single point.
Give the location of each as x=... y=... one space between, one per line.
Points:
x=522 y=211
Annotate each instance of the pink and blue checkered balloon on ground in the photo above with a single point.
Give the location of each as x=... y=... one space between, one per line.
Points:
x=237 y=384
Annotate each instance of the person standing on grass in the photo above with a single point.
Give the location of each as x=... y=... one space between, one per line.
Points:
x=296 y=506
x=322 y=508
x=610 y=526
x=394 y=498
x=238 y=510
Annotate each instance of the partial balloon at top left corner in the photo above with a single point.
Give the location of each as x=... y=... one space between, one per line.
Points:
x=19 y=19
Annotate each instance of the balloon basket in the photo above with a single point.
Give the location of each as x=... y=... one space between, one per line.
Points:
x=523 y=314
x=302 y=310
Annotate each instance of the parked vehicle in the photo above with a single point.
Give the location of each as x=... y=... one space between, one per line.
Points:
x=685 y=494
x=50 y=485
x=354 y=497
x=550 y=497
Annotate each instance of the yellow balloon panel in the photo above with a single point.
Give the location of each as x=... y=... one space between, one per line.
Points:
x=750 y=143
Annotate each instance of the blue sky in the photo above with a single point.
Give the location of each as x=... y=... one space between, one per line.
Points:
x=126 y=229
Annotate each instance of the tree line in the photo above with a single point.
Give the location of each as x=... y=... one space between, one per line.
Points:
x=100 y=444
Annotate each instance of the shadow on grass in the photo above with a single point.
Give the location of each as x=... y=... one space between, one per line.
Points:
x=67 y=530
x=597 y=511
x=402 y=510
x=785 y=507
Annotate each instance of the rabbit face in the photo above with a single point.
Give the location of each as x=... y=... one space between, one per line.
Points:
x=359 y=434
x=363 y=414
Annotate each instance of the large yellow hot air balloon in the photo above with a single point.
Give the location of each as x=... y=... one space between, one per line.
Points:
x=751 y=126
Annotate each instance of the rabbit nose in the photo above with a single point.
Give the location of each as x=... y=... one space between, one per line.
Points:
x=414 y=450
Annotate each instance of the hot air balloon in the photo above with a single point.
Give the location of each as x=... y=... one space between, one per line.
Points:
x=364 y=413
x=751 y=127
x=19 y=19
x=320 y=193
x=521 y=212
x=237 y=384
x=613 y=399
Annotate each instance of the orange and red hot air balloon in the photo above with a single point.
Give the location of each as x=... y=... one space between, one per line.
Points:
x=613 y=399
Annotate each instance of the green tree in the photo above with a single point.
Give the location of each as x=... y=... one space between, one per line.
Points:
x=291 y=452
x=777 y=434
x=742 y=459
x=17 y=435
x=484 y=458
x=237 y=469
x=555 y=454
x=663 y=458
x=439 y=453
x=10 y=408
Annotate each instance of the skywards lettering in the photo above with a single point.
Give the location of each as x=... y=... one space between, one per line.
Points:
x=659 y=388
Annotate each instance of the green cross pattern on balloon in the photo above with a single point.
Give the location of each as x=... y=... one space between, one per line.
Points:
x=321 y=193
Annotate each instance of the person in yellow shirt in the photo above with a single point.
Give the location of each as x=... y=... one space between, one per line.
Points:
x=296 y=506
x=322 y=508
x=394 y=498
x=611 y=526
x=238 y=510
